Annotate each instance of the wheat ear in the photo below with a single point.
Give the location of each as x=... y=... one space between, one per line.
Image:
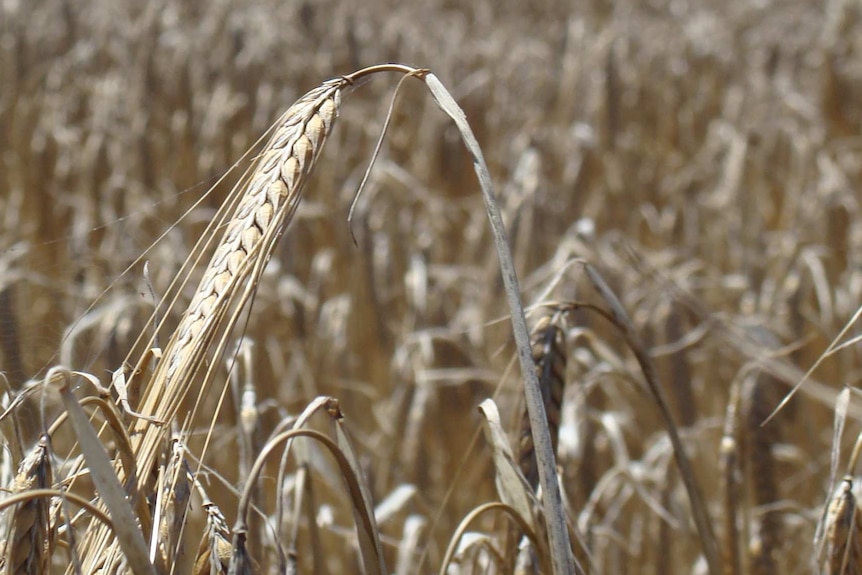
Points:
x=844 y=532
x=549 y=356
x=268 y=201
x=215 y=549
x=550 y=359
x=264 y=201
x=30 y=539
x=766 y=546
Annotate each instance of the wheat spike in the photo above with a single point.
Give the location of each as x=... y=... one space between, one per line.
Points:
x=30 y=538
x=175 y=503
x=268 y=201
x=759 y=403
x=214 y=554
x=268 y=197
x=844 y=532
x=550 y=359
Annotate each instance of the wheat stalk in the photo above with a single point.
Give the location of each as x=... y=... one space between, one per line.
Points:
x=729 y=456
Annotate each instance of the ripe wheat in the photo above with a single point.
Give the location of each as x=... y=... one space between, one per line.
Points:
x=267 y=199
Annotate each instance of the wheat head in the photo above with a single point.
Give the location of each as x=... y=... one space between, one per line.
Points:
x=30 y=538
x=265 y=200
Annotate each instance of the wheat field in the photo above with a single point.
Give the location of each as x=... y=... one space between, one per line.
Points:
x=216 y=358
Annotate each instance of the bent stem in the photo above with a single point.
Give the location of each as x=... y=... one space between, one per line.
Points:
x=699 y=511
x=562 y=559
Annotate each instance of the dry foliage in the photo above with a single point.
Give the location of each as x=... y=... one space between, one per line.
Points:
x=277 y=398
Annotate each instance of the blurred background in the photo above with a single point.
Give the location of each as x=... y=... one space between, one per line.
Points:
x=704 y=155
